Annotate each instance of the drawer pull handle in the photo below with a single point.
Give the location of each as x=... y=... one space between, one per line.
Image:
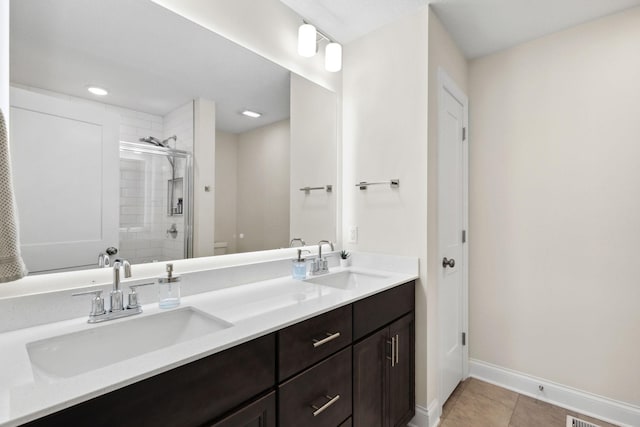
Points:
x=397 y=349
x=321 y=409
x=330 y=337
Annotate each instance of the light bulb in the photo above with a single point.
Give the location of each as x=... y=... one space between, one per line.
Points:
x=307 y=40
x=333 y=57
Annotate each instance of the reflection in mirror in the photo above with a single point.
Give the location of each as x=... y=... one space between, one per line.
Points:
x=94 y=172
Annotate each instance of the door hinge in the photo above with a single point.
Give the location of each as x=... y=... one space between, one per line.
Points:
x=464 y=236
x=464 y=338
x=464 y=133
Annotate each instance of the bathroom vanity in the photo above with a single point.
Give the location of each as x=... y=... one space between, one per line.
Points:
x=334 y=350
x=357 y=357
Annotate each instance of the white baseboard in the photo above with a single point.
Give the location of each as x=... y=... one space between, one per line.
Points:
x=576 y=400
x=427 y=417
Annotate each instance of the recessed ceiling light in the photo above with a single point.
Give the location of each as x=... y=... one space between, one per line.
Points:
x=252 y=114
x=97 y=90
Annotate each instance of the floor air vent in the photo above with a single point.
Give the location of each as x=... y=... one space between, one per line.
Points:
x=577 y=422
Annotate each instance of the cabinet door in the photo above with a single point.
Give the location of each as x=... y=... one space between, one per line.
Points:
x=369 y=359
x=377 y=311
x=261 y=413
x=401 y=390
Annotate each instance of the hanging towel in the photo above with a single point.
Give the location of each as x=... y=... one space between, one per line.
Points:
x=11 y=265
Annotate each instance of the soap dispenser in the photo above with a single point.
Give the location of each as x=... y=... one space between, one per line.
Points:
x=169 y=289
x=299 y=267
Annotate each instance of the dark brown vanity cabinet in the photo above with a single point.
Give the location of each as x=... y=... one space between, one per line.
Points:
x=305 y=343
x=384 y=361
x=190 y=395
x=318 y=350
x=320 y=396
x=351 y=366
x=261 y=413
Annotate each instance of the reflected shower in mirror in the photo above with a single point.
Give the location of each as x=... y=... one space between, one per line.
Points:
x=155 y=207
x=94 y=172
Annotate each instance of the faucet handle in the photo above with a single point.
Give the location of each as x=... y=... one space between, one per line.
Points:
x=133 y=295
x=97 y=302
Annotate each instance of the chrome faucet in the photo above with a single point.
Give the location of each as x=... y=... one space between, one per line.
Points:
x=103 y=260
x=116 y=293
x=320 y=265
x=117 y=310
x=325 y=242
x=297 y=239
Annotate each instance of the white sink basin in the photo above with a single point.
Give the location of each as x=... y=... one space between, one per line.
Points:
x=348 y=279
x=72 y=354
x=248 y=301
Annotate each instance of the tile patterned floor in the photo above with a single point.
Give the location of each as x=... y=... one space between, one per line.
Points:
x=475 y=403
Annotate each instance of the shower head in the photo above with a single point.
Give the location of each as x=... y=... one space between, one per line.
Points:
x=155 y=141
x=152 y=140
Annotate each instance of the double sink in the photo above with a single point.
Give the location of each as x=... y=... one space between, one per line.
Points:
x=76 y=353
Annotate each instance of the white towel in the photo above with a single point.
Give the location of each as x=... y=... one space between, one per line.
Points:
x=11 y=265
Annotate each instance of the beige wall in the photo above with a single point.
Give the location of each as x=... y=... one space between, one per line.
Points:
x=313 y=161
x=267 y=27
x=204 y=146
x=384 y=137
x=263 y=188
x=555 y=207
x=226 y=189
x=443 y=54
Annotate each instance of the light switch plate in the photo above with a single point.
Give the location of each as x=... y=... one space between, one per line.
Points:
x=353 y=234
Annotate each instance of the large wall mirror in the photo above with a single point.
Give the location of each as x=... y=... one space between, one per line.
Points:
x=167 y=156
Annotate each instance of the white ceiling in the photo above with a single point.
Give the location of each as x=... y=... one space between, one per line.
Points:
x=153 y=60
x=149 y=58
x=347 y=20
x=480 y=27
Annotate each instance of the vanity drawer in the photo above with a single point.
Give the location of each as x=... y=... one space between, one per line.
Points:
x=303 y=344
x=372 y=313
x=324 y=390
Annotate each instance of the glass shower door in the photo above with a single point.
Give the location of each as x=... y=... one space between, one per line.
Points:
x=155 y=203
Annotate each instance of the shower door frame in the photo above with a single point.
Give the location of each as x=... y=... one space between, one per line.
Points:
x=139 y=148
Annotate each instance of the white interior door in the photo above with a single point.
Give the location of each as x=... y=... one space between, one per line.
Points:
x=451 y=235
x=66 y=176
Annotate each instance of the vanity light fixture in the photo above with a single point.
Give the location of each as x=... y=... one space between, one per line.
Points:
x=308 y=39
x=307 y=43
x=251 y=114
x=333 y=57
x=97 y=90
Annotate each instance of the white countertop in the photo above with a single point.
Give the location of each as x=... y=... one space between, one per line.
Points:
x=254 y=309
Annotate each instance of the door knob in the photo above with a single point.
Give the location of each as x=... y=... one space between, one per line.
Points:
x=448 y=262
